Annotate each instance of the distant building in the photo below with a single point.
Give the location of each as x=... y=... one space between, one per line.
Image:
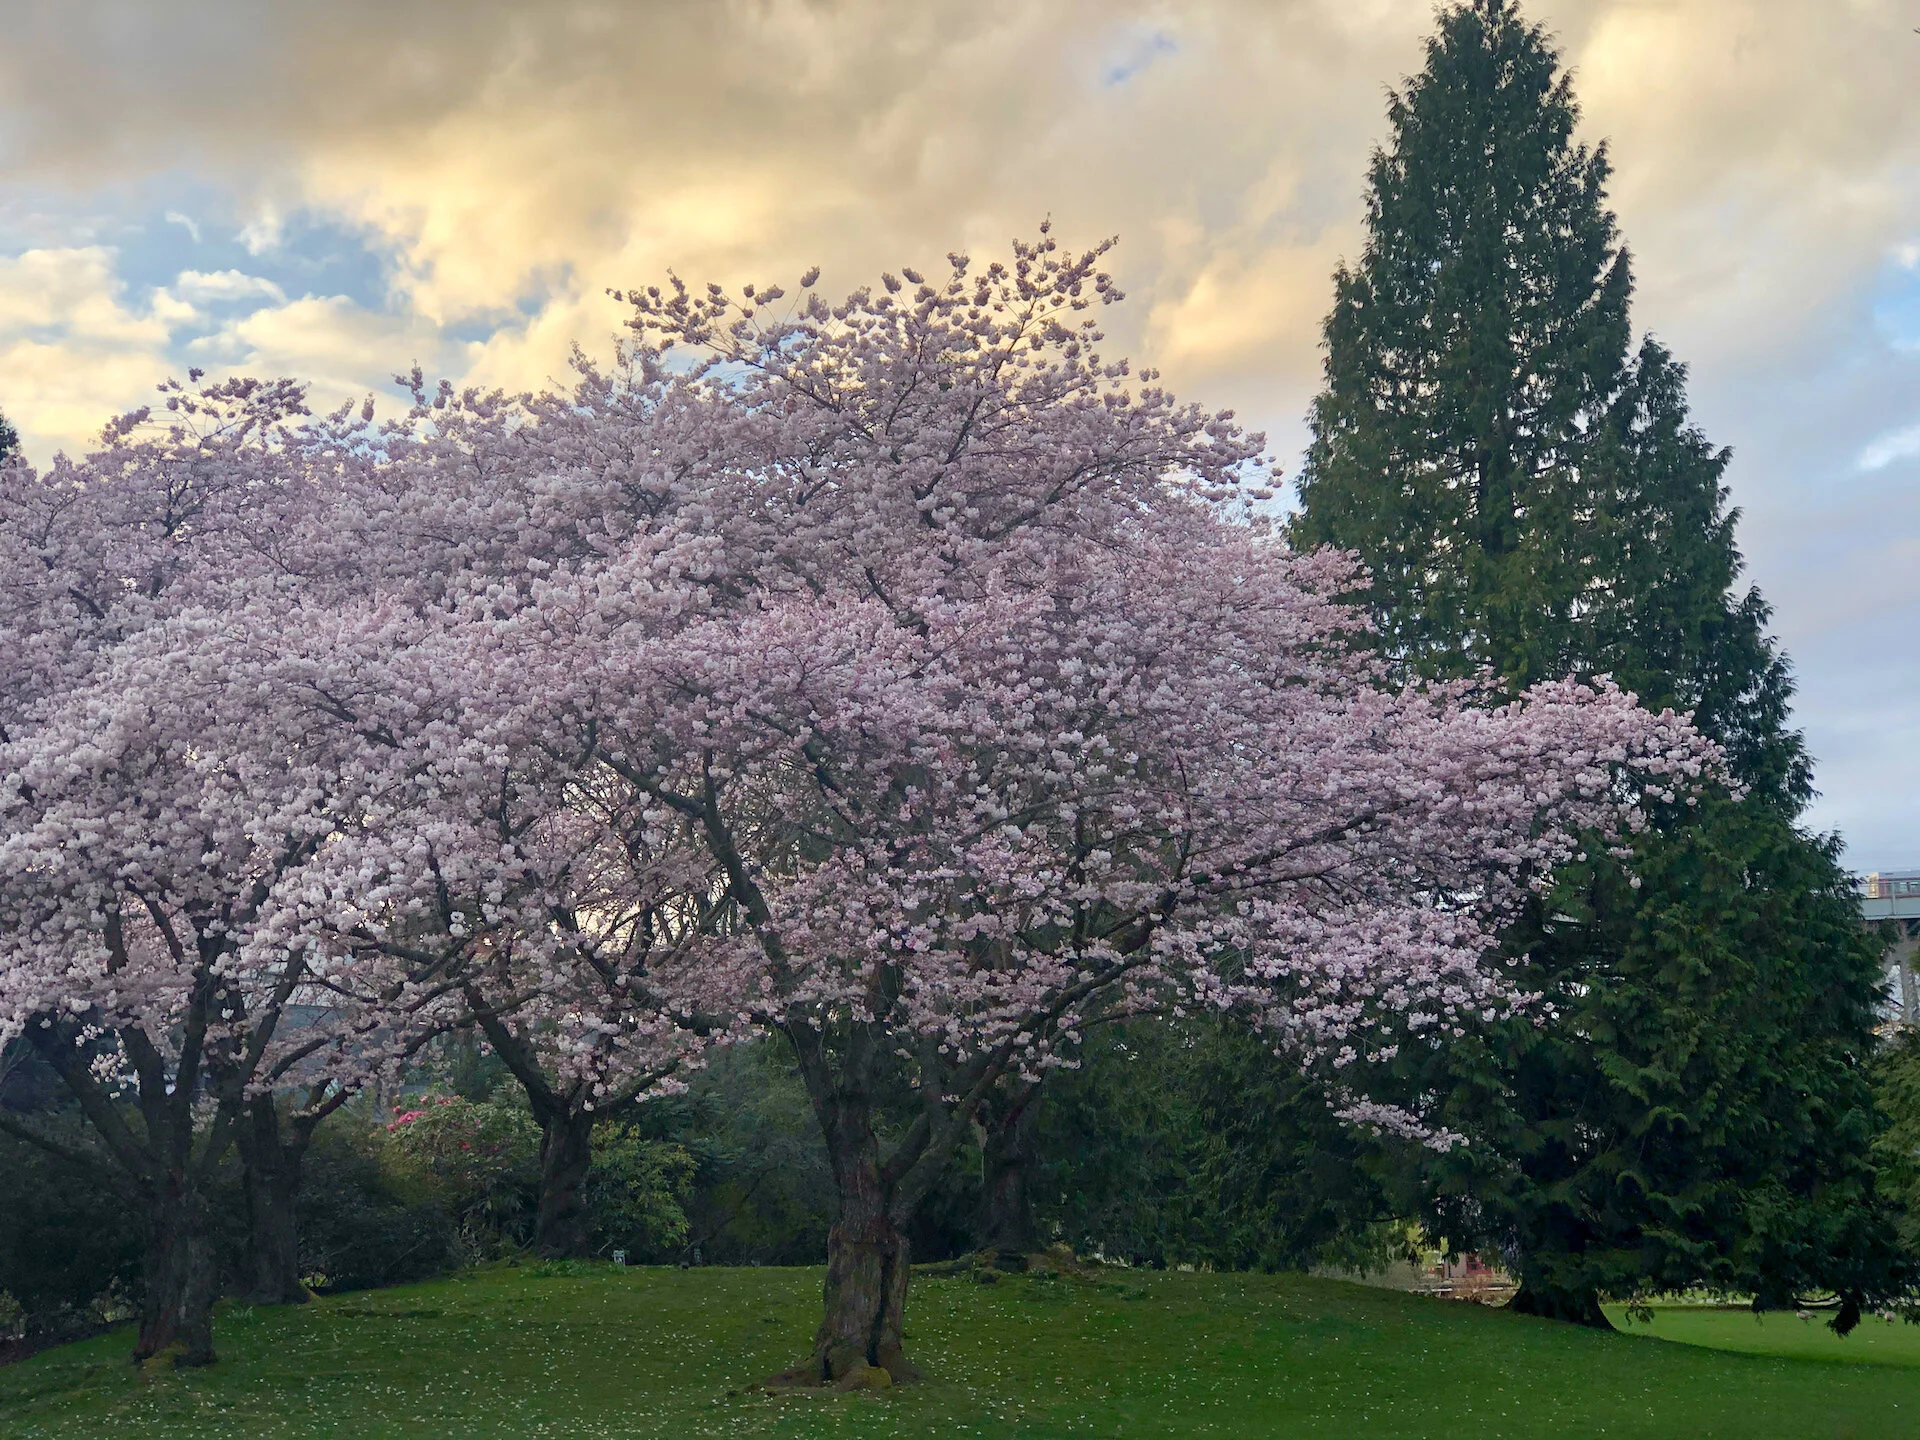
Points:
x=1892 y=898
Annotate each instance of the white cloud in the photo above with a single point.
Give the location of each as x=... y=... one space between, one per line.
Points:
x=264 y=232
x=75 y=291
x=1899 y=445
x=171 y=311
x=340 y=349
x=199 y=287
x=180 y=304
x=72 y=353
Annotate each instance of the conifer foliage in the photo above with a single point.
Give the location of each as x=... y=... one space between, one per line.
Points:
x=1473 y=354
x=1531 y=496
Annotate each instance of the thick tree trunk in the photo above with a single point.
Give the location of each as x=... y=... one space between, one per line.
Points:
x=1573 y=1307
x=862 y=1336
x=562 y=1228
x=866 y=1300
x=1008 y=1157
x=181 y=1274
x=863 y=1327
x=270 y=1162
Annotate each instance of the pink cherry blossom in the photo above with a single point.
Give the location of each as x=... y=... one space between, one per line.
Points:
x=898 y=677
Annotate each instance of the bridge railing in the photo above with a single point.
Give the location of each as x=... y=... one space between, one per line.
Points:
x=1890 y=887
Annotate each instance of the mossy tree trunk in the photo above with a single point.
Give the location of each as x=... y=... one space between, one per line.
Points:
x=273 y=1148
x=862 y=1332
x=863 y=1324
x=270 y=1162
x=169 y=1157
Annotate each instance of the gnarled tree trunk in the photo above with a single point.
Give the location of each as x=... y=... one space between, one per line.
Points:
x=868 y=1264
x=180 y=1270
x=862 y=1334
x=561 y=1226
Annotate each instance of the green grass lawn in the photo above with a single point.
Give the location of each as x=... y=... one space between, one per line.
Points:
x=1734 y=1327
x=593 y=1351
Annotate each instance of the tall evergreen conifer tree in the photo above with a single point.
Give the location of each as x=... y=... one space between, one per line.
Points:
x=1532 y=499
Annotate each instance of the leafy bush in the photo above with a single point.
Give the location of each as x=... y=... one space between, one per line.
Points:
x=1896 y=1151
x=477 y=1161
x=635 y=1192
x=70 y=1236
x=1193 y=1144
x=13 y=1318
x=357 y=1230
x=762 y=1193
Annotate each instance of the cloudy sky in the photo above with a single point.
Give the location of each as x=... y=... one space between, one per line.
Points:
x=338 y=191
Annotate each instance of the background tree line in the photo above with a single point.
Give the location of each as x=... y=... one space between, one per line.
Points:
x=1168 y=1146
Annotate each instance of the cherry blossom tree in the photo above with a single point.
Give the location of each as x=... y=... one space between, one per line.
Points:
x=897 y=676
x=988 y=705
x=492 y=862
x=510 y=861
x=201 y=805
x=1147 y=776
x=156 y=805
x=91 y=554
x=144 y=868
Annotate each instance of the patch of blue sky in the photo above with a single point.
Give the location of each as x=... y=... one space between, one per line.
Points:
x=474 y=329
x=1896 y=301
x=481 y=326
x=36 y=220
x=169 y=223
x=1896 y=319
x=1135 y=50
x=173 y=232
x=310 y=255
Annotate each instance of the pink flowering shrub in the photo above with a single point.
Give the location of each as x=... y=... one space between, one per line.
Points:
x=478 y=1161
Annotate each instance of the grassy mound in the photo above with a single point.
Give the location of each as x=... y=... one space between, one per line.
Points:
x=593 y=1351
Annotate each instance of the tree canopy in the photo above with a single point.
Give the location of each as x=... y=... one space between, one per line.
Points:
x=898 y=677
